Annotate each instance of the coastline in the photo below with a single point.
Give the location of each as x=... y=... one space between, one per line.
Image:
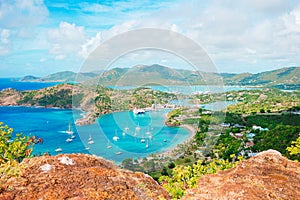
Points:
x=169 y=153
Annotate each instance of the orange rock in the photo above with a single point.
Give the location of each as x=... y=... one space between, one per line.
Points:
x=265 y=176
x=87 y=178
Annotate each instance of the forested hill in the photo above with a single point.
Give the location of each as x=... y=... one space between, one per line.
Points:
x=157 y=74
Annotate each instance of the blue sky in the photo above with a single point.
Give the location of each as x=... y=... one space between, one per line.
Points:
x=41 y=37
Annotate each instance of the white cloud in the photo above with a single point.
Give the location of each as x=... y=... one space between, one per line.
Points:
x=90 y=45
x=4 y=41
x=22 y=13
x=66 y=40
x=95 y=8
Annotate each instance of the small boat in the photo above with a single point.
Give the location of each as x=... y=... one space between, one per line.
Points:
x=143 y=140
x=69 y=131
x=69 y=140
x=118 y=153
x=138 y=111
x=150 y=137
x=87 y=148
x=58 y=149
x=165 y=140
x=91 y=142
x=123 y=133
x=116 y=138
x=73 y=137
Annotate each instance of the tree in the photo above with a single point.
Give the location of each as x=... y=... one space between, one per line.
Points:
x=294 y=149
x=13 y=149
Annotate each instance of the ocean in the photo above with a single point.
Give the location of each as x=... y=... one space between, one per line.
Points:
x=15 y=84
x=114 y=136
x=51 y=125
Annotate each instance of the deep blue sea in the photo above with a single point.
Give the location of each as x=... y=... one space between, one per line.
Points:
x=14 y=83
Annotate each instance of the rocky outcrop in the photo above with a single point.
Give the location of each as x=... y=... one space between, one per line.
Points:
x=9 y=97
x=265 y=176
x=78 y=176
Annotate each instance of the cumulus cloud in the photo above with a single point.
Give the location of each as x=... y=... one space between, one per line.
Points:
x=66 y=40
x=90 y=45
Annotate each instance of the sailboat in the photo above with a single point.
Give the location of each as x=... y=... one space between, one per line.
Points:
x=126 y=128
x=147 y=144
x=108 y=145
x=148 y=132
x=91 y=141
x=138 y=128
x=116 y=138
x=69 y=131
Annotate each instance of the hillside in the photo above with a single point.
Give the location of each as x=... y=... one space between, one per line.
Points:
x=284 y=78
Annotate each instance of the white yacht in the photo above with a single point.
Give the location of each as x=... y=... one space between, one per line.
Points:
x=69 y=131
x=58 y=149
x=69 y=140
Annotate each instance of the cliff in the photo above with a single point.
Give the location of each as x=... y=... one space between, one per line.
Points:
x=265 y=176
x=78 y=176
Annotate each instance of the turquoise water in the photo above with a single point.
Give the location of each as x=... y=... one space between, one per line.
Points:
x=51 y=124
x=189 y=89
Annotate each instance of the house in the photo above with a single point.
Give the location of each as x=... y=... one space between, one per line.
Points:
x=249 y=144
x=254 y=127
x=226 y=125
x=238 y=126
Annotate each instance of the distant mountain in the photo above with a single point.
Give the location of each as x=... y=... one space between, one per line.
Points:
x=143 y=75
x=162 y=75
x=155 y=74
x=287 y=76
x=29 y=78
x=68 y=76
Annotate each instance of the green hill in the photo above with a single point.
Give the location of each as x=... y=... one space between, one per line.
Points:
x=68 y=76
x=285 y=78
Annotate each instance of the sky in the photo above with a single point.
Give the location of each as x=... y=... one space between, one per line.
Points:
x=41 y=37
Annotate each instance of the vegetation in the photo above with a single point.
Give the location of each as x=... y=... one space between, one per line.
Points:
x=13 y=149
x=282 y=78
x=263 y=101
x=186 y=177
x=294 y=149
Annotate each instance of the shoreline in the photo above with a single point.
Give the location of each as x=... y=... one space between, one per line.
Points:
x=169 y=152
